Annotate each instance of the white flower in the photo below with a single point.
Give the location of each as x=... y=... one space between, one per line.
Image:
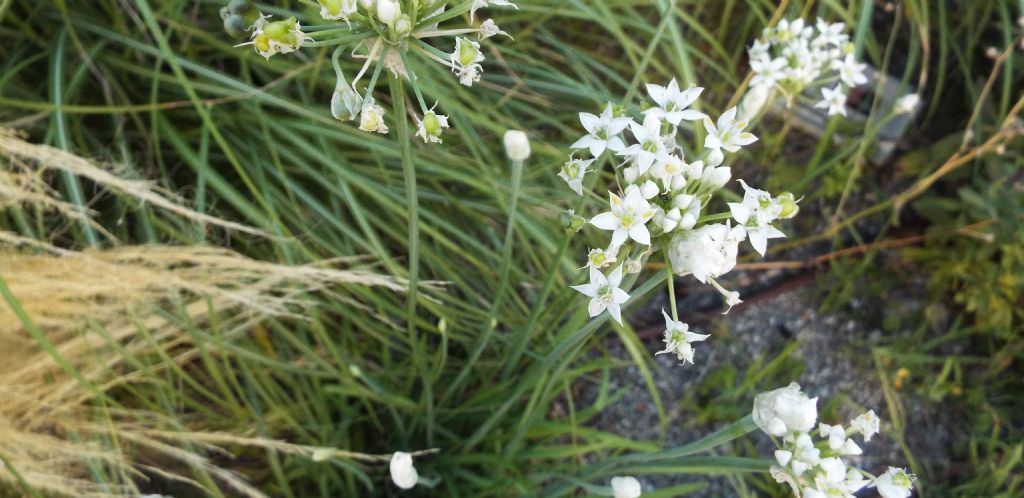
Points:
x=714 y=177
x=625 y=487
x=866 y=424
x=371 y=118
x=650 y=146
x=517 y=145
x=600 y=258
x=276 y=37
x=906 y=104
x=895 y=483
x=431 y=127
x=488 y=29
x=785 y=411
x=678 y=339
x=479 y=4
x=337 y=9
x=851 y=72
x=627 y=218
x=603 y=132
x=830 y=33
x=604 y=293
x=573 y=172
x=403 y=473
x=756 y=213
x=767 y=72
x=707 y=252
x=673 y=102
x=466 y=60
x=833 y=99
x=728 y=134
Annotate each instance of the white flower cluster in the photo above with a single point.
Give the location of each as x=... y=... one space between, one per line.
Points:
x=663 y=190
x=792 y=57
x=815 y=469
x=384 y=33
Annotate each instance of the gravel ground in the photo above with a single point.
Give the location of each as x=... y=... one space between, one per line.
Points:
x=834 y=348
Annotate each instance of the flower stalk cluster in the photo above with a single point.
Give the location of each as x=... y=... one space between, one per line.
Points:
x=661 y=200
x=810 y=458
x=792 y=57
x=385 y=34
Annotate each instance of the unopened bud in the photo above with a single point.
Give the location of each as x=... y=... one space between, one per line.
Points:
x=572 y=221
x=388 y=11
x=346 y=104
x=517 y=145
x=403 y=26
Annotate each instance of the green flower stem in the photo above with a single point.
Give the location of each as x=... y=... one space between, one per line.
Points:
x=506 y=266
x=523 y=336
x=412 y=202
x=671 y=283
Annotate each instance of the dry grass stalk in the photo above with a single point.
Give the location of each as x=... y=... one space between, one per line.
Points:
x=96 y=309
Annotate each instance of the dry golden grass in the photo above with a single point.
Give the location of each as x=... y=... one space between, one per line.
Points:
x=71 y=318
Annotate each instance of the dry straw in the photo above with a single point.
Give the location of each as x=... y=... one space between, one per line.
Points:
x=70 y=319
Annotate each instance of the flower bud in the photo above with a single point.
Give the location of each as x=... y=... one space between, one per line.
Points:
x=631 y=173
x=388 y=11
x=346 y=104
x=625 y=487
x=716 y=178
x=403 y=26
x=517 y=145
x=403 y=473
x=572 y=221
x=649 y=189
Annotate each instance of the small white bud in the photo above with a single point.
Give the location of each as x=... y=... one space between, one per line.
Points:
x=388 y=11
x=322 y=454
x=403 y=473
x=625 y=487
x=517 y=145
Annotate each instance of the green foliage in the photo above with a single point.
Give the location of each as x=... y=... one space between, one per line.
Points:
x=489 y=374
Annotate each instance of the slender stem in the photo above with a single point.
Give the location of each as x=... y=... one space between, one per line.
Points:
x=506 y=266
x=412 y=201
x=523 y=336
x=671 y=283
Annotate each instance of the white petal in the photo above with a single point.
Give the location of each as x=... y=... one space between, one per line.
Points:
x=596 y=307
x=640 y=234
x=605 y=221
